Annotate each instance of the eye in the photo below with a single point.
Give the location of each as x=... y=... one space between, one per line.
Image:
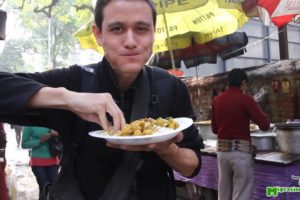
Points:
x=142 y=29
x=116 y=29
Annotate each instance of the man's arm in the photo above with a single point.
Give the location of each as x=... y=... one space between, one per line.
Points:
x=257 y=115
x=89 y=106
x=23 y=93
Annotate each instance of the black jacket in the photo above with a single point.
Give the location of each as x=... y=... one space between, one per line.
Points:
x=95 y=163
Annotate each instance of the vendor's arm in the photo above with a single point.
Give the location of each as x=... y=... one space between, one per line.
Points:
x=257 y=115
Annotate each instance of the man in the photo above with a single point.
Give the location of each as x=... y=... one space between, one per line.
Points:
x=55 y=99
x=232 y=112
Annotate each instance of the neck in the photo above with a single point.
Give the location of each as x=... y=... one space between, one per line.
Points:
x=125 y=80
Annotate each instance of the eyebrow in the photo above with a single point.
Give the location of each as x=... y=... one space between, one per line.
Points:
x=139 y=23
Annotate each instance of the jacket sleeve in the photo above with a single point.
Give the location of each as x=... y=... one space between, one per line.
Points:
x=20 y=87
x=16 y=91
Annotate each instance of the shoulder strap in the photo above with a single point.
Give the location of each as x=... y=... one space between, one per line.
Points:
x=140 y=107
x=88 y=84
x=88 y=78
x=121 y=182
x=154 y=99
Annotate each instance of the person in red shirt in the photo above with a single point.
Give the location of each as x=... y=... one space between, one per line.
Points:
x=232 y=112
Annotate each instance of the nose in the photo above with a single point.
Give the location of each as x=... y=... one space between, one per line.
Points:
x=130 y=39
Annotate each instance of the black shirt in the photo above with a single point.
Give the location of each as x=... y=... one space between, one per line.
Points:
x=95 y=163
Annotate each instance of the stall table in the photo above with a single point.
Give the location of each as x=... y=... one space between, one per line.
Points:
x=271 y=169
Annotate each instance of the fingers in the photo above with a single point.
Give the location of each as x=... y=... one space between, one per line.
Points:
x=103 y=120
x=115 y=112
x=95 y=107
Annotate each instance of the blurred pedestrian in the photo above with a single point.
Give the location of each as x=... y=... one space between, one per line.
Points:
x=18 y=131
x=43 y=164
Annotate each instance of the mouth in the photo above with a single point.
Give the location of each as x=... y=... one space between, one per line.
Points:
x=130 y=54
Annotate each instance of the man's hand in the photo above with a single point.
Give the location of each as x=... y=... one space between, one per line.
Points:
x=94 y=107
x=183 y=160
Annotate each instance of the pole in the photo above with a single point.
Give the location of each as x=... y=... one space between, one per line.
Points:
x=168 y=37
x=283 y=43
x=49 y=42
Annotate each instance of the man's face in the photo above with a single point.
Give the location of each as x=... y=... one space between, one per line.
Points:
x=127 y=35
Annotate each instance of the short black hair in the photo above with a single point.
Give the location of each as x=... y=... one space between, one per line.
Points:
x=100 y=5
x=236 y=77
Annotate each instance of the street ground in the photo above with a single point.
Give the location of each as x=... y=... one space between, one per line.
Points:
x=20 y=179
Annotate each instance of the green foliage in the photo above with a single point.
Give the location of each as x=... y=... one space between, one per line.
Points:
x=64 y=19
x=11 y=58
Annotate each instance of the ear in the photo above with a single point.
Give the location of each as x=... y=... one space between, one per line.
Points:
x=97 y=34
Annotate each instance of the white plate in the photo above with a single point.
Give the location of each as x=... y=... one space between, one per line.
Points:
x=145 y=139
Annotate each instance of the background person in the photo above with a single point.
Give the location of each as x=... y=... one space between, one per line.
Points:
x=44 y=165
x=232 y=112
x=55 y=99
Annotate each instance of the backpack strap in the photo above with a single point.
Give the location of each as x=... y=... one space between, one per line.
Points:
x=120 y=184
x=154 y=99
x=88 y=84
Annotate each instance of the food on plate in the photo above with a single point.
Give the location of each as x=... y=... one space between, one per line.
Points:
x=146 y=126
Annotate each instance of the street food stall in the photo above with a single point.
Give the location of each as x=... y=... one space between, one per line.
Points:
x=277 y=162
x=272 y=169
x=275 y=87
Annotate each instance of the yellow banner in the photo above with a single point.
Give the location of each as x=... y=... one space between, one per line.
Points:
x=87 y=39
x=169 y=6
x=231 y=4
x=179 y=42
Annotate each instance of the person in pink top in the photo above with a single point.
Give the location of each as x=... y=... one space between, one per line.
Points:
x=232 y=112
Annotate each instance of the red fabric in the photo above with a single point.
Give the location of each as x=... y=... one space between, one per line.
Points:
x=231 y=114
x=44 y=161
x=3 y=189
x=270 y=6
x=282 y=20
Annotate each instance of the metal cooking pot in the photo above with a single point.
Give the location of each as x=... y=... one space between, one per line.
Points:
x=264 y=141
x=288 y=137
